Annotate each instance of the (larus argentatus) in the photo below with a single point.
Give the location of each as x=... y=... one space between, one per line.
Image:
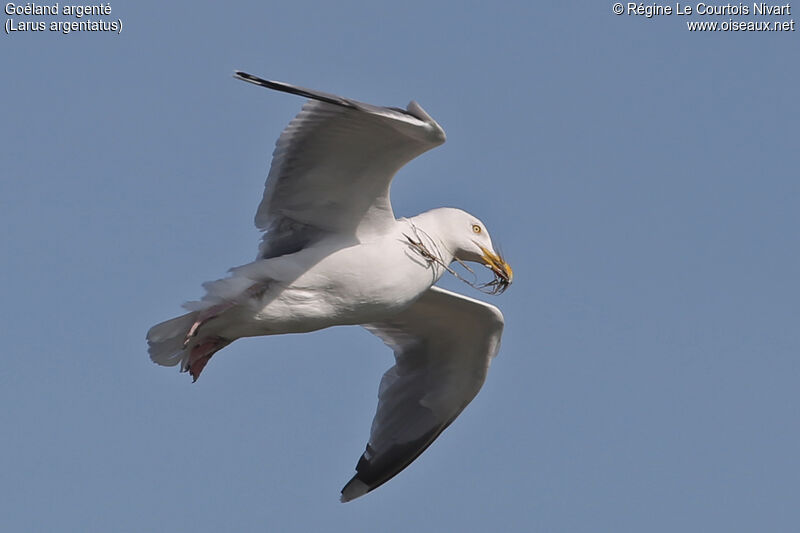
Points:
x=333 y=254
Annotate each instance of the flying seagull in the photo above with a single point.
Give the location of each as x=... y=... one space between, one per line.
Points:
x=333 y=254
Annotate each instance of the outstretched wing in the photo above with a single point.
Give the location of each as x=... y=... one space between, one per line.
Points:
x=443 y=345
x=332 y=167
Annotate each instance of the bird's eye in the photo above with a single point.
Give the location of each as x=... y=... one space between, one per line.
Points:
x=476 y=228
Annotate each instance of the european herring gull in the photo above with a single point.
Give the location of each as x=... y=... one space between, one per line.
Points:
x=333 y=254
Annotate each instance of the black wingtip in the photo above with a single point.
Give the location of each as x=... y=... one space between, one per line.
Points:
x=355 y=488
x=244 y=76
x=293 y=89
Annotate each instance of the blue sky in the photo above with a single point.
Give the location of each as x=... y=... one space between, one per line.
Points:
x=641 y=179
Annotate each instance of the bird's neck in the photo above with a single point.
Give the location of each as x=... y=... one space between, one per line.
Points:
x=432 y=240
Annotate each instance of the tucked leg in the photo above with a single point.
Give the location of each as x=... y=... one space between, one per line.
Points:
x=208 y=314
x=254 y=291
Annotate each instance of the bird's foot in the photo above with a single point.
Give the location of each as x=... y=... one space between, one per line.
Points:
x=201 y=354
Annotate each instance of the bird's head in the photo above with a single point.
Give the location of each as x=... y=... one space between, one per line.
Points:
x=469 y=240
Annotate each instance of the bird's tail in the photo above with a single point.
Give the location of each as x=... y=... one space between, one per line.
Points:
x=165 y=341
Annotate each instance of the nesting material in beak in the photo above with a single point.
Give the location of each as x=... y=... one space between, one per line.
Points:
x=503 y=275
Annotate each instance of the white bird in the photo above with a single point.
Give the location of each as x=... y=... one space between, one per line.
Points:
x=334 y=254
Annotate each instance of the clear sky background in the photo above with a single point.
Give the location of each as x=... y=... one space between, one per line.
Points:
x=641 y=179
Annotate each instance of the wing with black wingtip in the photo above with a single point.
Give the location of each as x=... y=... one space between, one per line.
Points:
x=333 y=165
x=443 y=345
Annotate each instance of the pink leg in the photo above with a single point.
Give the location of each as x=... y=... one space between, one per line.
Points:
x=204 y=316
x=215 y=310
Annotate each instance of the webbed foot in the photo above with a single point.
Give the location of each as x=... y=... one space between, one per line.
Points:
x=201 y=354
